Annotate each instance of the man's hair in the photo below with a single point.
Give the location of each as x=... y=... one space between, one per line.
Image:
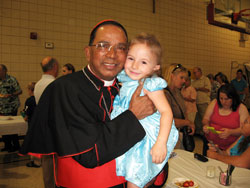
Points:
x=240 y=70
x=231 y=93
x=105 y=22
x=70 y=67
x=49 y=66
x=151 y=42
x=4 y=67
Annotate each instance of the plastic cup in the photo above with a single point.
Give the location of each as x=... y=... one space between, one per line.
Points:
x=223 y=179
x=210 y=171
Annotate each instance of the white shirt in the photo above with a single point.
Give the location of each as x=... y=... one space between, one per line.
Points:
x=41 y=85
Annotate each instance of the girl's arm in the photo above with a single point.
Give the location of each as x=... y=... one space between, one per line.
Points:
x=159 y=150
x=207 y=116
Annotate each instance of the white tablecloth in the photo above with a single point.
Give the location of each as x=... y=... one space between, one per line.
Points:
x=184 y=165
x=12 y=125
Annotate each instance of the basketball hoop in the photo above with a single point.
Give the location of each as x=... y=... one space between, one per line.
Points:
x=237 y=16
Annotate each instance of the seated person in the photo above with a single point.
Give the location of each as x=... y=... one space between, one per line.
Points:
x=225 y=114
x=238 y=153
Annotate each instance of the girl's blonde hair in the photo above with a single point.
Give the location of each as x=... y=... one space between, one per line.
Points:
x=152 y=42
x=173 y=69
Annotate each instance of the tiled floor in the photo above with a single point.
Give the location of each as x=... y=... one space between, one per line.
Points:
x=15 y=174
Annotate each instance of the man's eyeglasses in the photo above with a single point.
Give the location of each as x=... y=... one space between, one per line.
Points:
x=106 y=47
x=177 y=67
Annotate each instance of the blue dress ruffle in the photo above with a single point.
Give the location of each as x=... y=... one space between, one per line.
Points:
x=136 y=164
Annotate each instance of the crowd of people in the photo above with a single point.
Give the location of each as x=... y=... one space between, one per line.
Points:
x=92 y=126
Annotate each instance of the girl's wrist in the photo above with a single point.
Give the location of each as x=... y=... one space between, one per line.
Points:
x=161 y=140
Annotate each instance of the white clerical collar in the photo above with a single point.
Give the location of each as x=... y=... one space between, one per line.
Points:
x=106 y=83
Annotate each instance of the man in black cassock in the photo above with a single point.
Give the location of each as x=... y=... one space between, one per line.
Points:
x=72 y=117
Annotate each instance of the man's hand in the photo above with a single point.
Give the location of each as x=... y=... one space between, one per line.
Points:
x=141 y=106
x=5 y=95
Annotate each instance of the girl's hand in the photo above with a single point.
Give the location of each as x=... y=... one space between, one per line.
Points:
x=206 y=131
x=158 y=152
x=225 y=133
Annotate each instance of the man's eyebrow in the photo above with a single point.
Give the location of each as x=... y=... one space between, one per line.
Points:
x=102 y=41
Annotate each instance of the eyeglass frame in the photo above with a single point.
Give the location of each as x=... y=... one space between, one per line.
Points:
x=106 y=50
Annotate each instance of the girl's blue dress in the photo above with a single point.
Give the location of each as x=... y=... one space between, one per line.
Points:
x=136 y=164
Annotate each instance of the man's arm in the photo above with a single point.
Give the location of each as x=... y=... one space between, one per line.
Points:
x=17 y=93
x=206 y=88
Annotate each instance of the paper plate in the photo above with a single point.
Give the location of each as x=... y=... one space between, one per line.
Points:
x=178 y=182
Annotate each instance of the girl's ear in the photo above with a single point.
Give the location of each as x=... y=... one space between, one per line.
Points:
x=157 y=67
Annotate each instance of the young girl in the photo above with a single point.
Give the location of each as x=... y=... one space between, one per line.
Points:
x=29 y=108
x=146 y=159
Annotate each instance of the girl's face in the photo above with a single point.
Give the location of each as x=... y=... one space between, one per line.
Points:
x=225 y=101
x=178 y=79
x=66 y=71
x=140 y=62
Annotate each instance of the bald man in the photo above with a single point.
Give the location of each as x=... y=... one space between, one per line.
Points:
x=50 y=69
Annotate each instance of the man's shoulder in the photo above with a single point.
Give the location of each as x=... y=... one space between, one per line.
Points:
x=70 y=78
x=10 y=78
x=204 y=78
x=233 y=80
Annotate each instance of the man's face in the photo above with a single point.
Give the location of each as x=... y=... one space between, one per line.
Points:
x=197 y=73
x=2 y=73
x=239 y=75
x=107 y=64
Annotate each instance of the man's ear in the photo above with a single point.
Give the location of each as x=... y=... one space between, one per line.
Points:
x=87 y=53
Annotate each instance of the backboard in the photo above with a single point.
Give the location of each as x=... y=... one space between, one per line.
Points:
x=230 y=14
